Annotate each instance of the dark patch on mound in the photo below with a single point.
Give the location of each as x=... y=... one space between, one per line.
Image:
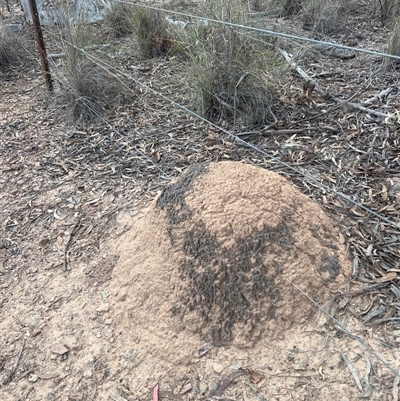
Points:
x=229 y=286
x=330 y=264
x=173 y=197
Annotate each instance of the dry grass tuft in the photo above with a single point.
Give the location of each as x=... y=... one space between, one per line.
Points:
x=153 y=33
x=389 y=11
x=229 y=68
x=230 y=78
x=10 y=49
x=322 y=16
x=292 y=7
x=119 y=19
x=88 y=92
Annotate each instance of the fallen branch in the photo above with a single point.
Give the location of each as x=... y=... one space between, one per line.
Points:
x=14 y=368
x=378 y=96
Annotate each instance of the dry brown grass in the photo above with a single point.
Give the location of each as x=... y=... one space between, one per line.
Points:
x=153 y=33
x=10 y=49
x=119 y=19
x=88 y=91
x=230 y=77
x=292 y=7
x=322 y=16
x=389 y=11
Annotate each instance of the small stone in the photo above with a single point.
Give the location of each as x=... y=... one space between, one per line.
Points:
x=87 y=374
x=108 y=321
x=103 y=308
x=186 y=387
x=100 y=320
x=59 y=349
x=33 y=378
x=36 y=320
x=203 y=388
x=217 y=368
x=36 y=332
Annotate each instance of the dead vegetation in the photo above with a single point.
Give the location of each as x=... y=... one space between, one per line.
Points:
x=10 y=49
x=86 y=92
x=230 y=77
x=389 y=10
x=119 y=19
x=152 y=33
x=322 y=16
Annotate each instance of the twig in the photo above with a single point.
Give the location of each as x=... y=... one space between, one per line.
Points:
x=379 y=96
x=346 y=331
x=115 y=396
x=242 y=78
x=355 y=293
x=14 y=368
x=270 y=131
x=224 y=383
x=71 y=236
x=358 y=106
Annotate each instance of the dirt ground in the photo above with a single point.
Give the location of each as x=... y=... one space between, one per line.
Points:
x=70 y=196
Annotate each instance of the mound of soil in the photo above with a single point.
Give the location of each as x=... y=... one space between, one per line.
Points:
x=214 y=257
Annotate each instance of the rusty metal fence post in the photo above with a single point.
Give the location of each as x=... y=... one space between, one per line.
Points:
x=40 y=43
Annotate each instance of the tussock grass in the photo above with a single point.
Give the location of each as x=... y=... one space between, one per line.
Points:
x=292 y=7
x=229 y=71
x=10 y=49
x=322 y=16
x=389 y=10
x=87 y=91
x=229 y=74
x=119 y=19
x=153 y=33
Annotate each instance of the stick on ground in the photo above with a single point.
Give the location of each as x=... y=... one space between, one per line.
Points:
x=14 y=368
